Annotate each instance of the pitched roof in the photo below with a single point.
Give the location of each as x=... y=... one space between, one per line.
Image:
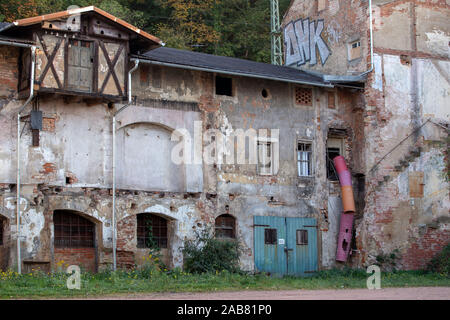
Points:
x=69 y=12
x=227 y=65
x=4 y=25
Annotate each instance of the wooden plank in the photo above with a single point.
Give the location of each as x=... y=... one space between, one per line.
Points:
x=416 y=184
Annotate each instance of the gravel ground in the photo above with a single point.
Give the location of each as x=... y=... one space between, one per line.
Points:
x=420 y=293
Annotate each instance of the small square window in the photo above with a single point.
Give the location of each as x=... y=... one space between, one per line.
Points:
x=304 y=159
x=224 y=86
x=354 y=50
x=270 y=236
x=302 y=237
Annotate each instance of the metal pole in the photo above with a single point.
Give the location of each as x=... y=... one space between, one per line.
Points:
x=136 y=64
x=19 y=259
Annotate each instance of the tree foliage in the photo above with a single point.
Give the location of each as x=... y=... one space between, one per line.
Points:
x=236 y=28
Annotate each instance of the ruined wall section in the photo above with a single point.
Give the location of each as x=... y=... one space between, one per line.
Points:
x=344 y=22
x=407 y=202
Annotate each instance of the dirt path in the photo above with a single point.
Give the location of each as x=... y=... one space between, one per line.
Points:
x=422 y=293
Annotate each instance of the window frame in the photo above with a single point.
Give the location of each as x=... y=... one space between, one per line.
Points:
x=223 y=227
x=311 y=160
x=273 y=237
x=233 y=93
x=301 y=240
x=162 y=241
x=333 y=145
x=73 y=222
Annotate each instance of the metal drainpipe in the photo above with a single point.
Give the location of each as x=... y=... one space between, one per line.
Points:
x=371 y=41
x=136 y=64
x=33 y=61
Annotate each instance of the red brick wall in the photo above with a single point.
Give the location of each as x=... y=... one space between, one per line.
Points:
x=422 y=251
x=9 y=70
x=82 y=257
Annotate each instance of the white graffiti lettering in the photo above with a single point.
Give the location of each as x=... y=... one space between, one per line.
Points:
x=301 y=39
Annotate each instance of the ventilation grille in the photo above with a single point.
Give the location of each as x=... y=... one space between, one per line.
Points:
x=303 y=96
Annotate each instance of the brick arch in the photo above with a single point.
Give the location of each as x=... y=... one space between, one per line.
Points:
x=75 y=239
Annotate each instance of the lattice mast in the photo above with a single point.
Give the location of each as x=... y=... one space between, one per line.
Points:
x=277 y=49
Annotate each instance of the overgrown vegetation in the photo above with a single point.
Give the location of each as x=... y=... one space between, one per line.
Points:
x=149 y=280
x=388 y=261
x=208 y=254
x=441 y=262
x=236 y=28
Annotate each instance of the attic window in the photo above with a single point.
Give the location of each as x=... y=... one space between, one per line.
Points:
x=224 y=86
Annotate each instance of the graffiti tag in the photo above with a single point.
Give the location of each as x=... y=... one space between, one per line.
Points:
x=301 y=39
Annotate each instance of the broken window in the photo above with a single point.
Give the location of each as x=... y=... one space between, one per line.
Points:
x=225 y=226
x=73 y=230
x=354 y=50
x=304 y=159
x=265 y=156
x=151 y=231
x=80 y=65
x=302 y=237
x=1 y=231
x=334 y=149
x=224 y=86
x=270 y=236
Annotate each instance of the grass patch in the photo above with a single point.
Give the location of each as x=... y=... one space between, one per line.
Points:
x=38 y=285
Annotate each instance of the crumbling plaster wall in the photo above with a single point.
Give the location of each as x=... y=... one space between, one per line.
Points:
x=409 y=85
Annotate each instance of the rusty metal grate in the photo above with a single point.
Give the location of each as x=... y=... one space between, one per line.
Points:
x=225 y=226
x=73 y=231
x=303 y=96
x=151 y=231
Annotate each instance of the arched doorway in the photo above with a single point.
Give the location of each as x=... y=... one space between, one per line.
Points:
x=74 y=240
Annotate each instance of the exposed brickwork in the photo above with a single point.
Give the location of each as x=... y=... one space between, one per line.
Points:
x=82 y=257
x=425 y=248
x=9 y=71
x=48 y=124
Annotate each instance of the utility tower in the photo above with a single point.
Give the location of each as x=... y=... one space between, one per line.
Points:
x=277 y=49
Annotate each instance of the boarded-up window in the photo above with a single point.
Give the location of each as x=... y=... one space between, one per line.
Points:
x=354 y=50
x=321 y=5
x=270 y=236
x=303 y=96
x=151 y=231
x=416 y=184
x=302 y=237
x=80 y=63
x=224 y=86
x=73 y=231
x=225 y=226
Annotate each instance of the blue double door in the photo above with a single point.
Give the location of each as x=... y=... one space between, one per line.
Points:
x=285 y=246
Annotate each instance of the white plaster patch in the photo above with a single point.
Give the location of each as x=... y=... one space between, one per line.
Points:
x=32 y=224
x=438 y=42
x=377 y=82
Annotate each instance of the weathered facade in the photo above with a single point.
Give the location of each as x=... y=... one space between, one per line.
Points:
x=66 y=149
x=405 y=116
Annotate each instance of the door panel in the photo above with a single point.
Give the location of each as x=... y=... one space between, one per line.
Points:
x=270 y=257
x=301 y=245
x=295 y=249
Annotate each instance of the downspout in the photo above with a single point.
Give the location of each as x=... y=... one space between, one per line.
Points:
x=136 y=64
x=33 y=61
x=371 y=40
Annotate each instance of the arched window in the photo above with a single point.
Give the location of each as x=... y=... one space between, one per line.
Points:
x=72 y=230
x=151 y=231
x=225 y=226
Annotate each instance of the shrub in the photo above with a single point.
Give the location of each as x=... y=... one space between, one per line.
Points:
x=441 y=262
x=207 y=254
